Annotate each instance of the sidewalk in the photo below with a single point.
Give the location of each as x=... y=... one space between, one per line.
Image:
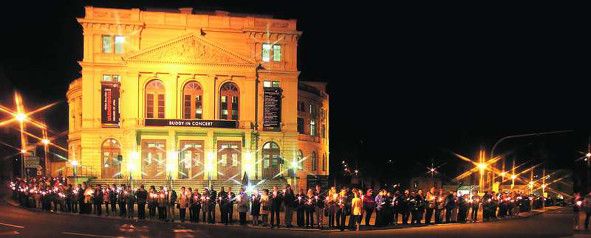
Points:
x=295 y=228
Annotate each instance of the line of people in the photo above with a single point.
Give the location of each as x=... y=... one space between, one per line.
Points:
x=314 y=208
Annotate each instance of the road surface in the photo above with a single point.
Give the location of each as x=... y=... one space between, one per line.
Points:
x=15 y=221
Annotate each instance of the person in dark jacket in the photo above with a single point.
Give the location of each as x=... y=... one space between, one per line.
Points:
x=230 y=209
x=142 y=197
x=121 y=200
x=319 y=205
x=301 y=207
x=129 y=201
x=369 y=205
x=113 y=199
x=98 y=200
x=450 y=204
x=289 y=204
x=276 y=198
x=152 y=202
x=223 y=202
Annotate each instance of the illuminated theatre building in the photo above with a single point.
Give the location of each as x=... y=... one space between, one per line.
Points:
x=194 y=97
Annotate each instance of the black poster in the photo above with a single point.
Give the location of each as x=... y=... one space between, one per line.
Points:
x=191 y=123
x=272 y=109
x=110 y=107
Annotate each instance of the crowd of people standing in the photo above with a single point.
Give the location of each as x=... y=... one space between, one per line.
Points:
x=342 y=209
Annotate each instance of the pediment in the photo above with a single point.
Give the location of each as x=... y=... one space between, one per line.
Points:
x=189 y=49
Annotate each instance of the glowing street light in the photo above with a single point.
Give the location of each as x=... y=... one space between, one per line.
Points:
x=45 y=141
x=20 y=117
x=482 y=167
x=23 y=151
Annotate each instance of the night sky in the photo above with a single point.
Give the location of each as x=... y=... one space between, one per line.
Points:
x=408 y=83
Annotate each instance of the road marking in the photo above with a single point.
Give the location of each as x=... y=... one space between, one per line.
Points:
x=11 y=225
x=89 y=235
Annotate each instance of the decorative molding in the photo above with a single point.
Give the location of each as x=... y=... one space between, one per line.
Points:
x=189 y=49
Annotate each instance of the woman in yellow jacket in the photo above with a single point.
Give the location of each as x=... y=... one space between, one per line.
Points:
x=356 y=207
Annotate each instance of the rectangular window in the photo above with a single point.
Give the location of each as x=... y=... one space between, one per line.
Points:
x=107 y=44
x=266 y=52
x=276 y=53
x=234 y=108
x=323 y=128
x=270 y=84
x=198 y=108
x=111 y=78
x=150 y=106
x=160 y=105
x=313 y=131
x=324 y=164
x=119 y=40
x=187 y=105
x=301 y=125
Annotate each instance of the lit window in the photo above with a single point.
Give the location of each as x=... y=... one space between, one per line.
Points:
x=229 y=108
x=155 y=103
x=119 y=40
x=276 y=53
x=313 y=127
x=111 y=78
x=324 y=163
x=301 y=125
x=107 y=44
x=266 y=52
x=270 y=84
x=193 y=105
x=314 y=161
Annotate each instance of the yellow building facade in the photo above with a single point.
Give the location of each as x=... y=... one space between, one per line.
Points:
x=195 y=96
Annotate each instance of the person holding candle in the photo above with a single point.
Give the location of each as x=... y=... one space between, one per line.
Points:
x=319 y=205
x=106 y=201
x=170 y=205
x=309 y=208
x=162 y=195
x=265 y=207
x=242 y=206
x=223 y=202
x=182 y=204
x=255 y=207
x=331 y=203
x=300 y=207
x=212 y=201
x=152 y=202
x=205 y=204
x=130 y=201
x=356 y=207
x=474 y=206
x=369 y=205
x=230 y=204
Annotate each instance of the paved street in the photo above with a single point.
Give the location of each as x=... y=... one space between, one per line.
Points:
x=26 y=223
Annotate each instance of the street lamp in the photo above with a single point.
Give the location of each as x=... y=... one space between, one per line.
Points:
x=45 y=141
x=20 y=117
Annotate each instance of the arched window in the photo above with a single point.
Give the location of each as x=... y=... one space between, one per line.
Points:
x=111 y=166
x=314 y=161
x=324 y=162
x=271 y=159
x=192 y=101
x=155 y=100
x=300 y=158
x=229 y=98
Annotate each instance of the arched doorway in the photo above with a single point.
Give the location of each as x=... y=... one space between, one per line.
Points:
x=271 y=159
x=111 y=166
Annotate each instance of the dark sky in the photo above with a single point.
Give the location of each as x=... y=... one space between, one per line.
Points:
x=407 y=82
